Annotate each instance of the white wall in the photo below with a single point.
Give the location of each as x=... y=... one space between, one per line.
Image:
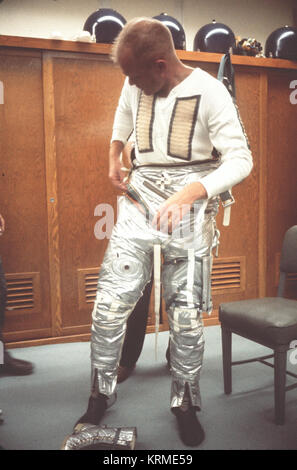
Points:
x=247 y=18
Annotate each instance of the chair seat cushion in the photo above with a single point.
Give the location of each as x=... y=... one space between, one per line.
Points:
x=272 y=319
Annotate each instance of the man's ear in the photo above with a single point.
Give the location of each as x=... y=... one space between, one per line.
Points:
x=161 y=65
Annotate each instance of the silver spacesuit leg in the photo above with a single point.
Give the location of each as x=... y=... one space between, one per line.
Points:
x=125 y=271
x=186 y=285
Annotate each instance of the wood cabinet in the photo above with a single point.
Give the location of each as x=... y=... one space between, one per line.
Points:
x=56 y=119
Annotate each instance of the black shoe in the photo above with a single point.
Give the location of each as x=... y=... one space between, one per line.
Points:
x=96 y=409
x=190 y=430
x=14 y=366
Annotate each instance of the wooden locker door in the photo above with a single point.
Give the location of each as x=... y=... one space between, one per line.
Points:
x=281 y=173
x=83 y=94
x=24 y=246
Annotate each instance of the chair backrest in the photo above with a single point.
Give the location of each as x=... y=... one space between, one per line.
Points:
x=288 y=261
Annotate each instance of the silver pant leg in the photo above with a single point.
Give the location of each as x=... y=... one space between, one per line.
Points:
x=125 y=271
x=186 y=284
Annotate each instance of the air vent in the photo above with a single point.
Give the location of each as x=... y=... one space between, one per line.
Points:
x=87 y=286
x=91 y=281
x=228 y=273
x=23 y=292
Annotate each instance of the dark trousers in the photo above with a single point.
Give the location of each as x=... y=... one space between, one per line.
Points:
x=136 y=327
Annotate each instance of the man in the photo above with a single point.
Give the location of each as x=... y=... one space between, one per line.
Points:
x=179 y=115
x=9 y=365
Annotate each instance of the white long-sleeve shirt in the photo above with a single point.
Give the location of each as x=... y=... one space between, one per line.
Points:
x=197 y=115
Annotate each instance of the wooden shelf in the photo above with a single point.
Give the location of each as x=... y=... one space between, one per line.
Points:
x=94 y=48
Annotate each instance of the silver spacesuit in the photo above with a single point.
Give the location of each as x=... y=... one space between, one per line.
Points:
x=127 y=268
x=174 y=137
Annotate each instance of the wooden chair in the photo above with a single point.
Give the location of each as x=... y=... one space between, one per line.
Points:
x=270 y=321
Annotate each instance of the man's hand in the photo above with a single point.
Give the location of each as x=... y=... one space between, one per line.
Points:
x=116 y=173
x=2 y=225
x=172 y=211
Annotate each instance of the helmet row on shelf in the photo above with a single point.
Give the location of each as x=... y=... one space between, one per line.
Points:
x=105 y=24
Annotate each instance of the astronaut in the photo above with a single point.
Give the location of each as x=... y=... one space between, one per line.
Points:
x=179 y=115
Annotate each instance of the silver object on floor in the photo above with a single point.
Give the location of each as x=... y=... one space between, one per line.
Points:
x=94 y=437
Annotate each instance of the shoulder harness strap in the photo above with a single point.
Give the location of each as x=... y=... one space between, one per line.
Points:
x=226 y=76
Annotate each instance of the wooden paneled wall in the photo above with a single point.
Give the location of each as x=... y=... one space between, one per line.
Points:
x=55 y=128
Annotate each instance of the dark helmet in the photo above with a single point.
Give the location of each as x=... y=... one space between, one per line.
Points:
x=106 y=24
x=282 y=43
x=176 y=29
x=214 y=37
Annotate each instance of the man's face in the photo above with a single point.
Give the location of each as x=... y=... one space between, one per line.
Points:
x=146 y=76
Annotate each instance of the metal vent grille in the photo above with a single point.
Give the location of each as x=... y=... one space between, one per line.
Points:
x=20 y=294
x=228 y=273
x=23 y=292
x=87 y=286
x=91 y=281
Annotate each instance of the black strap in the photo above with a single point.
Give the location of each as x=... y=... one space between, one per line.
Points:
x=226 y=74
